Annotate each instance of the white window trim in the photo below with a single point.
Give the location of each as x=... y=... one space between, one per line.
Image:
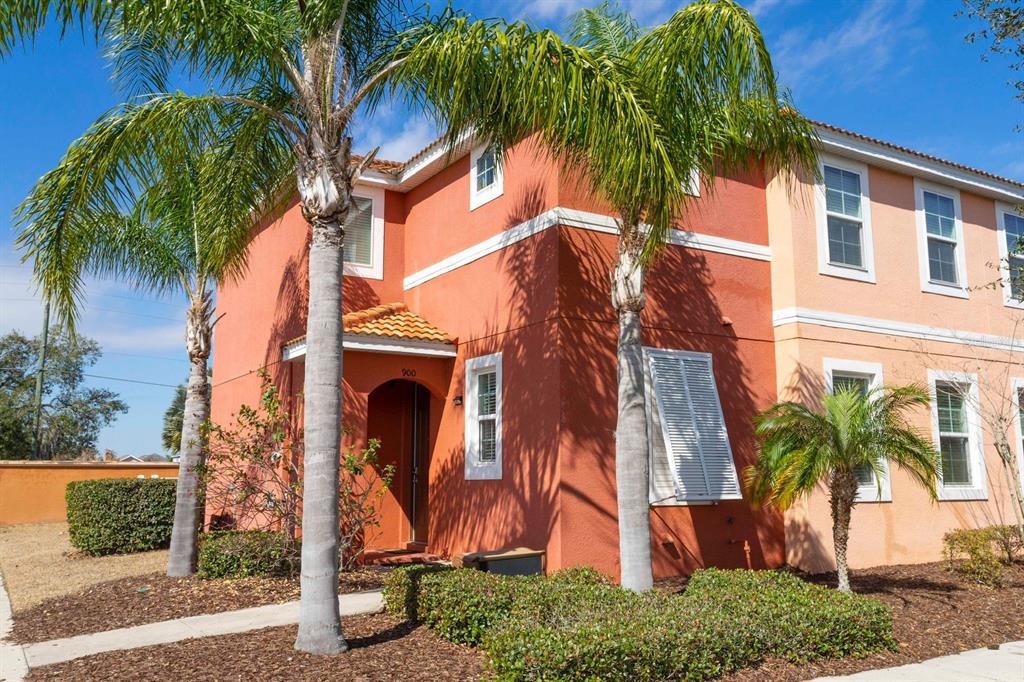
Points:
x=976 y=449
x=376 y=269
x=959 y=290
x=474 y=468
x=692 y=184
x=1004 y=270
x=872 y=371
x=478 y=198
x=1016 y=384
x=867 y=272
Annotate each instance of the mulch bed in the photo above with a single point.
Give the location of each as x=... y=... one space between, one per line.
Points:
x=155 y=597
x=934 y=614
x=381 y=648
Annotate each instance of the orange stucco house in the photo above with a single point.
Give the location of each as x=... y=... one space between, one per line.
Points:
x=480 y=347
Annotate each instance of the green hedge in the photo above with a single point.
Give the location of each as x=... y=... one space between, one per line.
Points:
x=120 y=515
x=247 y=554
x=576 y=626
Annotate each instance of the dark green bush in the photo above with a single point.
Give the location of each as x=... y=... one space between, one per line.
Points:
x=402 y=587
x=247 y=554
x=575 y=626
x=120 y=515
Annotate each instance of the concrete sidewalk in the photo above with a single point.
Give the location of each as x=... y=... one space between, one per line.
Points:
x=1003 y=664
x=15 y=660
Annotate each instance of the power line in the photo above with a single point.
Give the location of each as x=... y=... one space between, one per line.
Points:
x=105 y=310
x=130 y=381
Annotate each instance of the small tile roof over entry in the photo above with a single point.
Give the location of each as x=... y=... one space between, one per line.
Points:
x=393 y=320
x=388 y=320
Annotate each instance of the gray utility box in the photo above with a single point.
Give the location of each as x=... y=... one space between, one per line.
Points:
x=519 y=561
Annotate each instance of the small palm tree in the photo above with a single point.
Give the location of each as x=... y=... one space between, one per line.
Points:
x=174 y=418
x=801 y=448
x=710 y=78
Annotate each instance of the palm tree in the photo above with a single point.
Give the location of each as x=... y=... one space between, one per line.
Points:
x=709 y=75
x=303 y=69
x=161 y=219
x=801 y=448
x=174 y=419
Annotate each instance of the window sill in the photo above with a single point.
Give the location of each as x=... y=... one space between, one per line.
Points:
x=961 y=494
x=484 y=196
x=847 y=272
x=942 y=289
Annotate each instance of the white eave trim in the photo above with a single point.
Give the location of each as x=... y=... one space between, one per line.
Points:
x=880 y=155
x=586 y=221
x=378 y=344
x=871 y=325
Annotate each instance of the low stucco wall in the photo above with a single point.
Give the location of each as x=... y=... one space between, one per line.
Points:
x=33 y=492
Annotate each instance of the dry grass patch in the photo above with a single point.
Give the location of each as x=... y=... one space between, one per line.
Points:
x=38 y=563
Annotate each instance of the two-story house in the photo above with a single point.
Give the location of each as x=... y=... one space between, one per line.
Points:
x=893 y=270
x=480 y=347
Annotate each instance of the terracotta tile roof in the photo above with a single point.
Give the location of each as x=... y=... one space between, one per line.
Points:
x=908 y=150
x=390 y=320
x=382 y=165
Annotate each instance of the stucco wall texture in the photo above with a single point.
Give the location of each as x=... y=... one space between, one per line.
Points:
x=908 y=529
x=33 y=492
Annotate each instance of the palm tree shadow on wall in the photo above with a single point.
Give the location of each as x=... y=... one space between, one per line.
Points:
x=810 y=546
x=558 y=339
x=683 y=312
x=520 y=509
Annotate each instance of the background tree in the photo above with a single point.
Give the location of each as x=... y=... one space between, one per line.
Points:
x=73 y=414
x=709 y=76
x=301 y=71
x=171 y=215
x=174 y=419
x=802 y=448
x=1004 y=31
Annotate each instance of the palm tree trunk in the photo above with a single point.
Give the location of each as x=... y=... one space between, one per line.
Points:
x=843 y=494
x=188 y=505
x=631 y=446
x=319 y=619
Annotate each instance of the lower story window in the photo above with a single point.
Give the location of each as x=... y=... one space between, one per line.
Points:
x=953 y=435
x=483 y=418
x=958 y=435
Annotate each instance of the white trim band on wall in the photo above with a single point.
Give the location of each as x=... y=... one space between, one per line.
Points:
x=873 y=325
x=583 y=220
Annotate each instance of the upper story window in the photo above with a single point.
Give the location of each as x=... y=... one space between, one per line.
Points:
x=690 y=455
x=1011 y=252
x=958 y=436
x=940 y=240
x=844 y=221
x=847 y=375
x=364 y=234
x=486 y=176
x=483 y=418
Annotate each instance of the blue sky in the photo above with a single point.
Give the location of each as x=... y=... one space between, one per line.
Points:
x=895 y=70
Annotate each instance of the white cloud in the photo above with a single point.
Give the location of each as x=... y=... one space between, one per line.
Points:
x=855 y=52
x=647 y=12
x=761 y=7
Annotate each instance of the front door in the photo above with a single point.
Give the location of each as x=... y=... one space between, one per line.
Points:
x=398 y=415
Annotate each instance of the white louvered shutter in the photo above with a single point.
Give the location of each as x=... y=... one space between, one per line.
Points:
x=692 y=426
x=359 y=232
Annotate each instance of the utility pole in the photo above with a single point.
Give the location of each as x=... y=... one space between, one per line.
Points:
x=39 y=380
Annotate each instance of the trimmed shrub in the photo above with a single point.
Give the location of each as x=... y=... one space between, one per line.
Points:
x=575 y=626
x=971 y=553
x=402 y=588
x=120 y=515
x=247 y=554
